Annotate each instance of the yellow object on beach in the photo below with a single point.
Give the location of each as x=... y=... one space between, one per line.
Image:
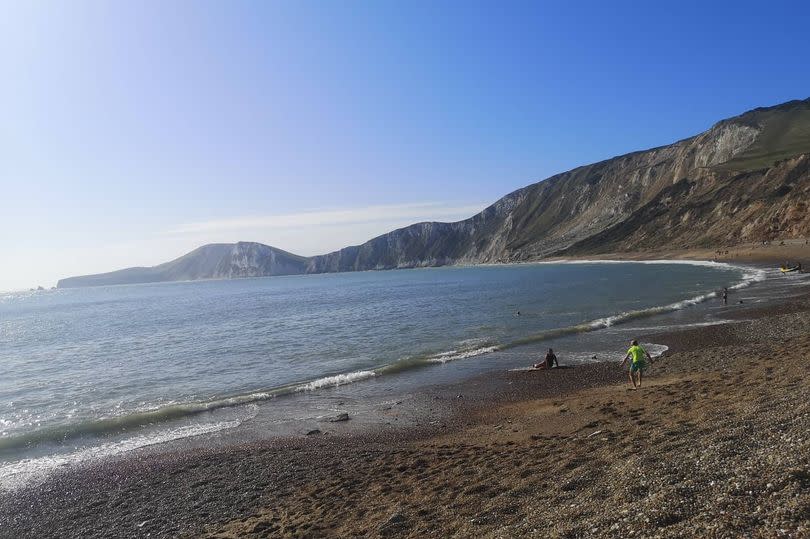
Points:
x=637 y=353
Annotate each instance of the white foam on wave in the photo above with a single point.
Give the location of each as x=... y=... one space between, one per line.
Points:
x=336 y=380
x=706 y=263
x=131 y=418
x=751 y=276
x=655 y=350
x=669 y=327
x=35 y=470
x=453 y=355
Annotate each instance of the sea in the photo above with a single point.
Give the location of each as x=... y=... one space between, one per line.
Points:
x=87 y=373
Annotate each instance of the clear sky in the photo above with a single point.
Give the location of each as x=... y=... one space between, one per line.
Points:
x=131 y=132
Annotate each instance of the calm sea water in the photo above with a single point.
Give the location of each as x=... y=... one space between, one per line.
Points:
x=80 y=365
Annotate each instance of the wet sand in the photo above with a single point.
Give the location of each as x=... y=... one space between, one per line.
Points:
x=715 y=444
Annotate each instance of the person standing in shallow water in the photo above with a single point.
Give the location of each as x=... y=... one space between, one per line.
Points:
x=637 y=356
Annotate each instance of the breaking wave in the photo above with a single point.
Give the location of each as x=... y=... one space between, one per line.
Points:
x=465 y=350
x=453 y=355
x=23 y=472
x=336 y=380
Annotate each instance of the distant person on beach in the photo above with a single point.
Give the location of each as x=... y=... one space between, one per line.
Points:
x=637 y=355
x=725 y=296
x=550 y=361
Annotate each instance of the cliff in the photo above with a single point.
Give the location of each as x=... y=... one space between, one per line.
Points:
x=213 y=261
x=745 y=179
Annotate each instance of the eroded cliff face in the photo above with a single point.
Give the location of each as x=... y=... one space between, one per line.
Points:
x=682 y=195
x=714 y=208
x=249 y=259
x=212 y=261
x=586 y=201
x=477 y=239
x=745 y=179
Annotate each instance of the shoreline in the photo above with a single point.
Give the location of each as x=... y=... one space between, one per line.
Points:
x=791 y=249
x=770 y=255
x=228 y=488
x=262 y=395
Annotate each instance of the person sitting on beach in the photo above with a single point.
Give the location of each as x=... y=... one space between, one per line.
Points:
x=637 y=356
x=550 y=361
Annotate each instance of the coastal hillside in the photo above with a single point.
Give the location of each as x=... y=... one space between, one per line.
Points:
x=214 y=261
x=745 y=179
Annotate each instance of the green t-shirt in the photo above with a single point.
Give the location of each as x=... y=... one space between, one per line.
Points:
x=637 y=354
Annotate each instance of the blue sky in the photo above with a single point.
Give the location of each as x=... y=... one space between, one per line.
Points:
x=132 y=132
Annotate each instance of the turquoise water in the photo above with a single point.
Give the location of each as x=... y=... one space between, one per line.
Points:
x=100 y=361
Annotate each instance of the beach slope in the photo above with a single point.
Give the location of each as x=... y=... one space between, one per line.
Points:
x=714 y=445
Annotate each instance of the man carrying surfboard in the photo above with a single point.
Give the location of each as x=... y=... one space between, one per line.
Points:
x=637 y=356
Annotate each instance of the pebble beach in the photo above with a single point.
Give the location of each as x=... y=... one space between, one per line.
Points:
x=714 y=444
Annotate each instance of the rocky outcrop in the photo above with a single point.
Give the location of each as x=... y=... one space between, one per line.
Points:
x=213 y=261
x=745 y=179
